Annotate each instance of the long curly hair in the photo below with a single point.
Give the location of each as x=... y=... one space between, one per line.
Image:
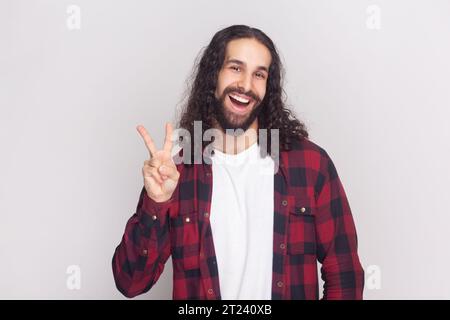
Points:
x=274 y=113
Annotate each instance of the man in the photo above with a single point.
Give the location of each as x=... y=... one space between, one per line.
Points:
x=234 y=231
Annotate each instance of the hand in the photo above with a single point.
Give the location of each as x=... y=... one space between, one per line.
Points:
x=160 y=172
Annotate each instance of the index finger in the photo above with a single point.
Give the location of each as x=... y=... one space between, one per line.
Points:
x=148 y=141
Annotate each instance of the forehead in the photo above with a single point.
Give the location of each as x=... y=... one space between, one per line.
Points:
x=250 y=51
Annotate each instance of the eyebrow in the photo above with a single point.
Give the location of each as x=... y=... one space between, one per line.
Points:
x=239 y=62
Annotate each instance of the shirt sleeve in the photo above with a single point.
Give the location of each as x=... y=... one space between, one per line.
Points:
x=341 y=269
x=140 y=257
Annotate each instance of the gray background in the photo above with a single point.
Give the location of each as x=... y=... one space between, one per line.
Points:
x=70 y=165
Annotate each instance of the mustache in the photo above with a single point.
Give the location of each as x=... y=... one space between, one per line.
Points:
x=249 y=93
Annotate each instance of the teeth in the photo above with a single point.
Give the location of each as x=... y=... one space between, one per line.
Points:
x=240 y=99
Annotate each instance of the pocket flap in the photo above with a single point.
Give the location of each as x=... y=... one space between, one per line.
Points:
x=302 y=229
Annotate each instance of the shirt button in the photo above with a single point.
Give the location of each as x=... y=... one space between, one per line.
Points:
x=282 y=246
x=208 y=174
x=154 y=217
x=206 y=214
x=187 y=219
x=210 y=291
x=280 y=284
x=302 y=209
x=284 y=203
x=144 y=252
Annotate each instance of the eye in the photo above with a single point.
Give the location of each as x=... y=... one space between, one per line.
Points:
x=235 y=68
x=260 y=75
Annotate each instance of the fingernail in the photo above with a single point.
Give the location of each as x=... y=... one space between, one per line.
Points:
x=162 y=168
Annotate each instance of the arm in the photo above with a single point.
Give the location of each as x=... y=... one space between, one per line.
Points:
x=140 y=257
x=341 y=270
x=145 y=247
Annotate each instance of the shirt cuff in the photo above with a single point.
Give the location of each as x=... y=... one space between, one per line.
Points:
x=153 y=208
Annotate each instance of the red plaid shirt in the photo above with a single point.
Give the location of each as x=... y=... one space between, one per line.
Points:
x=312 y=222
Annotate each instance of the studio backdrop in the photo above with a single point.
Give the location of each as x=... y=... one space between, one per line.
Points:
x=370 y=79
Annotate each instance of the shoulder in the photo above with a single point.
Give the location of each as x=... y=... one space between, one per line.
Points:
x=305 y=146
x=308 y=155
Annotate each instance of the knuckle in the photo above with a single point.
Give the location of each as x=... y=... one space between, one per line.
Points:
x=153 y=162
x=155 y=174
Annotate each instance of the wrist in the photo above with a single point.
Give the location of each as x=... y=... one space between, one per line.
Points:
x=160 y=200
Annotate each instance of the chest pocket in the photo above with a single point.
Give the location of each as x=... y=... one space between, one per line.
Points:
x=301 y=227
x=185 y=240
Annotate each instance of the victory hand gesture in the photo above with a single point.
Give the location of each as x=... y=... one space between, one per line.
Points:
x=160 y=172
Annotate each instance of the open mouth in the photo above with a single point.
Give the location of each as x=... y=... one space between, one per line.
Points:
x=239 y=103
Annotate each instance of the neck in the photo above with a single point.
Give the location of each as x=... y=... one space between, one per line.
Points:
x=231 y=144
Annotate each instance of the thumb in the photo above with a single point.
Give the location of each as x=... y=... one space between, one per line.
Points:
x=170 y=172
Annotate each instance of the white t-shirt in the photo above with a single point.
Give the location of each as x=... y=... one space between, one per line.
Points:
x=242 y=223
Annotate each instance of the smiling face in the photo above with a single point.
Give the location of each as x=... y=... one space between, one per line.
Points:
x=241 y=83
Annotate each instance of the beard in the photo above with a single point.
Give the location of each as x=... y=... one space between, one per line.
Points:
x=227 y=119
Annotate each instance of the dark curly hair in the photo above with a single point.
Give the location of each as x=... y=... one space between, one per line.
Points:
x=274 y=113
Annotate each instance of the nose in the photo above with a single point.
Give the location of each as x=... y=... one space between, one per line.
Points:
x=244 y=82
